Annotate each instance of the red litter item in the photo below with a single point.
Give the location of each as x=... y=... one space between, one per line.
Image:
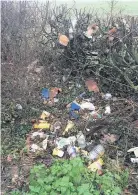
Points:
x=92 y=85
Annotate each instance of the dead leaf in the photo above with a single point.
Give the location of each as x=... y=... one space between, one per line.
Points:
x=92 y=29
x=110 y=138
x=14 y=173
x=9 y=158
x=92 y=85
x=32 y=65
x=113 y=30
x=135 y=124
x=127 y=192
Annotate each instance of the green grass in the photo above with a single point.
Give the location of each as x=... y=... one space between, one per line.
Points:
x=129 y=7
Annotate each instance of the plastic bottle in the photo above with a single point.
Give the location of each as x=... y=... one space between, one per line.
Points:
x=81 y=140
x=71 y=151
x=97 y=152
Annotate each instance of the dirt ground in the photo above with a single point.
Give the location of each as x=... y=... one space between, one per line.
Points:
x=22 y=84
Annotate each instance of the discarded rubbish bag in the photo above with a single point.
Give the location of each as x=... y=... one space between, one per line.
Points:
x=35 y=147
x=71 y=139
x=134 y=160
x=97 y=165
x=40 y=134
x=107 y=96
x=87 y=105
x=81 y=140
x=107 y=110
x=42 y=125
x=135 y=150
x=71 y=151
x=69 y=126
x=58 y=152
x=97 y=152
x=61 y=141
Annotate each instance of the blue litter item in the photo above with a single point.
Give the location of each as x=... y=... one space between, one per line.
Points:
x=75 y=106
x=82 y=94
x=45 y=93
x=73 y=115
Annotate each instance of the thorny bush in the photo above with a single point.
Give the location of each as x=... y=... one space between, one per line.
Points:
x=113 y=62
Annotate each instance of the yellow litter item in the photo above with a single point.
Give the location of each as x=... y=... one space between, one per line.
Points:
x=97 y=165
x=84 y=152
x=58 y=152
x=69 y=126
x=63 y=40
x=42 y=125
x=44 y=115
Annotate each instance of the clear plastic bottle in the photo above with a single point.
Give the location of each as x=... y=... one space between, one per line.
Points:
x=97 y=152
x=81 y=140
x=71 y=151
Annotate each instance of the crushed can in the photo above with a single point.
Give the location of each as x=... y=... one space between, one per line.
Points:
x=97 y=152
x=97 y=165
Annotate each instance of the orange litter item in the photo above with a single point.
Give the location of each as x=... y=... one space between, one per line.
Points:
x=54 y=92
x=113 y=30
x=63 y=40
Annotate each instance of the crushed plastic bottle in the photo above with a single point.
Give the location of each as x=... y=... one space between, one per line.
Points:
x=71 y=151
x=97 y=152
x=81 y=140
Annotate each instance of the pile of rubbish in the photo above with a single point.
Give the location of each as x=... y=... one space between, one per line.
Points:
x=50 y=136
